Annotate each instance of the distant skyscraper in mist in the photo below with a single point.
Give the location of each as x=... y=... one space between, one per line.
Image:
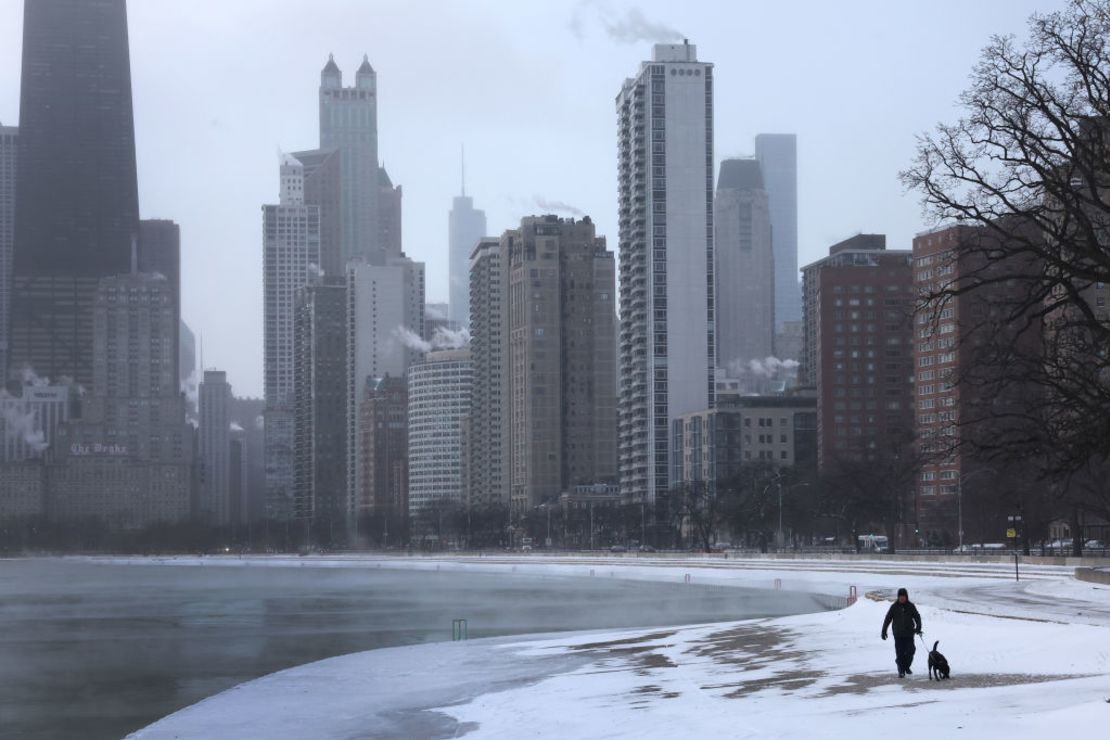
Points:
x=665 y=174
x=745 y=267
x=389 y=215
x=466 y=225
x=8 y=142
x=349 y=124
x=778 y=158
x=291 y=258
x=77 y=208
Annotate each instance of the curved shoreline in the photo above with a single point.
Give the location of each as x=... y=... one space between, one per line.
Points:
x=440 y=689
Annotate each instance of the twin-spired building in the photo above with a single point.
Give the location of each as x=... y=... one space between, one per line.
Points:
x=667 y=339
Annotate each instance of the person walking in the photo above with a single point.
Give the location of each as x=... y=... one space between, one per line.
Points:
x=906 y=622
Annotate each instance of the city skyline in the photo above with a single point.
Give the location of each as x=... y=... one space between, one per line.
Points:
x=423 y=117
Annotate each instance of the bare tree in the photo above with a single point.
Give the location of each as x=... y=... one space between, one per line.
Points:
x=1025 y=169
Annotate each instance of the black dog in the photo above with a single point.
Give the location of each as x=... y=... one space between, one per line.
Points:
x=938 y=664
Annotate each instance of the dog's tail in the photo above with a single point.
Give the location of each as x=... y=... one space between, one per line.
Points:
x=935 y=645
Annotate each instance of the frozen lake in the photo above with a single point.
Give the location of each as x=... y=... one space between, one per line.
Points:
x=99 y=649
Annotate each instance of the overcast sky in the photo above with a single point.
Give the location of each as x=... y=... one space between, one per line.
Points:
x=220 y=86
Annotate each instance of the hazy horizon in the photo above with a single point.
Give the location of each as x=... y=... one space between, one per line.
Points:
x=220 y=89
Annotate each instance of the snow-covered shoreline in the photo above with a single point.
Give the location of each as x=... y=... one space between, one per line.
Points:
x=815 y=675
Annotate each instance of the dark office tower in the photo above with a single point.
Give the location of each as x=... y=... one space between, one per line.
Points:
x=8 y=142
x=77 y=209
x=160 y=253
x=320 y=403
x=778 y=158
x=321 y=189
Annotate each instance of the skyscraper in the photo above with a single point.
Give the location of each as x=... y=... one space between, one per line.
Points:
x=778 y=158
x=291 y=258
x=667 y=343
x=465 y=226
x=389 y=216
x=558 y=281
x=8 y=142
x=128 y=461
x=320 y=401
x=488 y=435
x=385 y=325
x=77 y=209
x=349 y=124
x=439 y=399
x=858 y=349
x=745 y=267
x=214 y=506
x=383 y=442
x=321 y=189
x=160 y=253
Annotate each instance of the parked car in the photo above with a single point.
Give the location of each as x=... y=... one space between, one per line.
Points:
x=618 y=548
x=647 y=548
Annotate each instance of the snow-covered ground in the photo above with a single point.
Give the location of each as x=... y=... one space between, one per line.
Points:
x=1028 y=659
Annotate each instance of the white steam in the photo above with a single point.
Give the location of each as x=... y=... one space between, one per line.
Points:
x=19 y=422
x=444 y=338
x=631 y=27
x=556 y=206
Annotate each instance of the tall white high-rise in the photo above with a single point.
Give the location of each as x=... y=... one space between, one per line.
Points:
x=8 y=142
x=778 y=158
x=465 y=226
x=667 y=335
x=291 y=259
x=349 y=123
x=385 y=329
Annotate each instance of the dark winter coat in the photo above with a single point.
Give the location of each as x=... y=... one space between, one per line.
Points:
x=904 y=618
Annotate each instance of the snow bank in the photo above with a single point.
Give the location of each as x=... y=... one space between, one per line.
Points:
x=817 y=675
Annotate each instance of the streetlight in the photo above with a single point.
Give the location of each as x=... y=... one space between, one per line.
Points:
x=960 y=500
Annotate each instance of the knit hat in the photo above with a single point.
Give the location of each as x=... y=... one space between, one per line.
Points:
x=903 y=592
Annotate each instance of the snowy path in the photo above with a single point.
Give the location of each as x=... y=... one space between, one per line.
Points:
x=817 y=675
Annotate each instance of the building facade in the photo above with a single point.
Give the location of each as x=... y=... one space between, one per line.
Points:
x=291 y=259
x=29 y=422
x=858 y=349
x=322 y=185
x=9 y=140
x=667 y=338
x=384 y=441
x=778 y=158
x=716 y=445
x=160 y=253
x=349 y=125
x=76 y=208
x=558 y=284
x=487 y=440
x=214 y=504
x=439 y=391
x=385 y=325
x=389 y=216
x=128 y=460
x=320 y=402
x=745 y=268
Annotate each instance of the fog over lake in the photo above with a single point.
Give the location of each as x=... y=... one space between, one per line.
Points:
x=98 y=649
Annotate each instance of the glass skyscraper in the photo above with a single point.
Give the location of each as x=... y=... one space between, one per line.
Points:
x=77 y=206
